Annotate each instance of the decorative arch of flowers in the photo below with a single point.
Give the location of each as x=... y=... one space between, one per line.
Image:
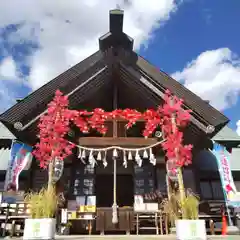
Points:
x=55 y=124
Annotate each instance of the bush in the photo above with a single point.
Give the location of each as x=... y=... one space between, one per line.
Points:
x=190 y=207
x=175 y=210
x=42 y=204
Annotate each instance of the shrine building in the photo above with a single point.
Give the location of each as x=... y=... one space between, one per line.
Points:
x=116 y=77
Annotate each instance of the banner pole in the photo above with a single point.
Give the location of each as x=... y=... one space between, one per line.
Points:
x=9 y=166
x=222 y=183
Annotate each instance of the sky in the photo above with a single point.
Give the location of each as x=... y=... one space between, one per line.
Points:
x=195 y=41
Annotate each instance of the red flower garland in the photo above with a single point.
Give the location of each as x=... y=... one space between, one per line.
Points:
x=54 y=125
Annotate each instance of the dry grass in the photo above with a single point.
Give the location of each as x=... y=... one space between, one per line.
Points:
x=175 y=210
x=42 y=204
x=190 y=207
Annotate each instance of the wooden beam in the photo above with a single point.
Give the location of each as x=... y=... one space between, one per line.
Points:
x=120 y=141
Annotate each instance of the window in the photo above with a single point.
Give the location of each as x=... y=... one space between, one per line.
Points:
x=217 y=190
x=206 y=192
x=144 y=179
x=139 y=183
x=161 y=180
x=189 y=179
x=2 y=186
x=211 y=190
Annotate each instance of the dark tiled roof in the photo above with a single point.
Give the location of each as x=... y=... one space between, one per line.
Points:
x=198 y=105
x=36 y=102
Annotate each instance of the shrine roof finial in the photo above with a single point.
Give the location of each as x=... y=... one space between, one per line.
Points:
x=116 y=21
x=115 y=38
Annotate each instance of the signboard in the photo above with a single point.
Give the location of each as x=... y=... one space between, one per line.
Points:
x=231 y=195
x=58 y=170
x=20 y=158
x=171 y=169
x=64 y=216
x=89 y=205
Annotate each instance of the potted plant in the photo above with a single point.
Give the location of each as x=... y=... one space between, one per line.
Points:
x=65 y=228
x=188 y=226
x=41 y=223
x=51 y=148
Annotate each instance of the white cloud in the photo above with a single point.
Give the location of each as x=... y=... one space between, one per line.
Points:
x=8 y=69
x=238 y=127
x=9 y=80
x=215 y=76
x=68 y=31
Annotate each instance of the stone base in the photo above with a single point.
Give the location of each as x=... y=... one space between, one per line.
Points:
x=232 y=230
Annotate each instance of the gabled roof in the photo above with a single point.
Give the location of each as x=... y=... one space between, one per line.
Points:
x=226 y=134
x=84 y=79
x=5 y=133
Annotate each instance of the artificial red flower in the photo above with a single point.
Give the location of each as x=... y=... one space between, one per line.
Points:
x=171 y=118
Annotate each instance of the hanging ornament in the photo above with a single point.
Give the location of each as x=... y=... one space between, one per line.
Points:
x=152 y=158
x=83 y=154
x=115 y=153
x=130 y=155
x=145 y=154
x=138 y=159
x=83 y=161
x=99 y=156
x=105 y=160
x=91 y=159
x=124 y=159
x=150 y=151
x=137 y=156
x=80 y=153
x=139 y=162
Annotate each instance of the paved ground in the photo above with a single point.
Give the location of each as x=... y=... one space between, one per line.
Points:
x=134 y=237
x=146 y=237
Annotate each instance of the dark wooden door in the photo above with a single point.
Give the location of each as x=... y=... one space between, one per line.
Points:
x=104 y=190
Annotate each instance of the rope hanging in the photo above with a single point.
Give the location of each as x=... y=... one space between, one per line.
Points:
x=128 y=154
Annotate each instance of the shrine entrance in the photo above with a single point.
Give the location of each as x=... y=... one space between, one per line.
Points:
x=104 y=190
x=104 y=184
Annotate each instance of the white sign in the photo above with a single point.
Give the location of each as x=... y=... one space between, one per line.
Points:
x=64 y=216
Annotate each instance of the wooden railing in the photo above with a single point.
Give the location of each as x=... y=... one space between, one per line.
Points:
x=12 y=218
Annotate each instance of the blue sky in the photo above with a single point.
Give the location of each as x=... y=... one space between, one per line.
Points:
x=197 y=27
x=197 y=42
